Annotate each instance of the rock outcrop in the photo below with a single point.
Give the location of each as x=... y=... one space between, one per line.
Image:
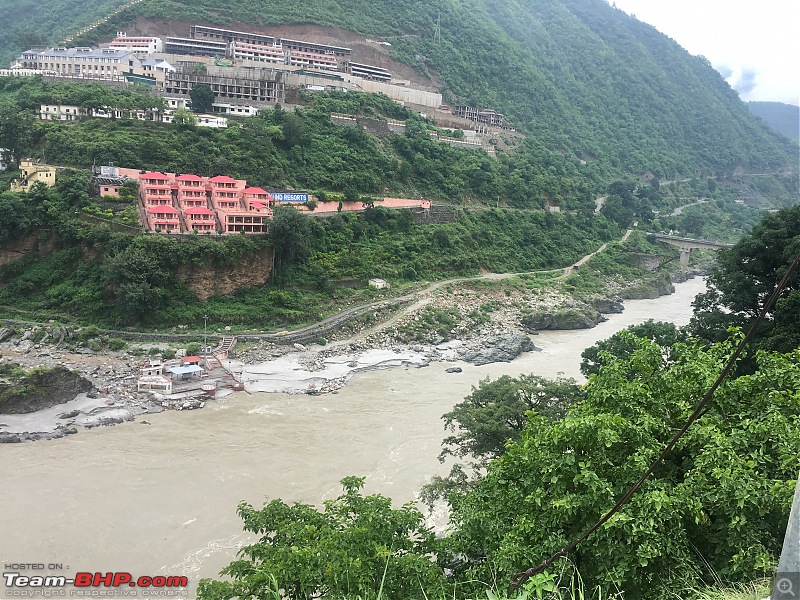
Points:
x=208 y=281
x=608 y=306
x=503 y=347
x=573 y=315
x=39 y=388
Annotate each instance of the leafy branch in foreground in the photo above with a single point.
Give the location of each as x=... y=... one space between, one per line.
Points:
x=354 y=547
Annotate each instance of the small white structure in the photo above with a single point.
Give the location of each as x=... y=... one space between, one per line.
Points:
x=154 y=367
x=154 y=383
x=379 y=284
x=62 y=112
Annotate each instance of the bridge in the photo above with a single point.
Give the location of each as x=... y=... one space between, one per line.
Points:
x=688 y=244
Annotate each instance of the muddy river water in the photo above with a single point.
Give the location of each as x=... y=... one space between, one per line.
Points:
x=160 y=498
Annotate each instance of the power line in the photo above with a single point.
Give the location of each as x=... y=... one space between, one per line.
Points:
x=520 y=578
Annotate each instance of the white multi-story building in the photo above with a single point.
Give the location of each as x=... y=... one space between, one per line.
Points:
x=141 y=46
x=82 y=62
x=268 y=54
x=62 y=112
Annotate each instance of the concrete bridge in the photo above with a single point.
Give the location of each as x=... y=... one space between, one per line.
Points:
x=688 y=244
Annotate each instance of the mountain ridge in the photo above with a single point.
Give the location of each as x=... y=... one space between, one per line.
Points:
x=579 y=76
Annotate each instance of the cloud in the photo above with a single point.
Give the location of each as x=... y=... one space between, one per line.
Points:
x=725 y=71
x=746 y=82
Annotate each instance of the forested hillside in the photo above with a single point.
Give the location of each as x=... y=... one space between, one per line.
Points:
x=27 y=23
x=784 y=118
x=580 y=76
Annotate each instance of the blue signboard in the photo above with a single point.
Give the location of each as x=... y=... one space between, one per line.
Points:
x=289 y=197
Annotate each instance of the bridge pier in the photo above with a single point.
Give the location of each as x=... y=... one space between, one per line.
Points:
x=685 y=254
x=686 y=245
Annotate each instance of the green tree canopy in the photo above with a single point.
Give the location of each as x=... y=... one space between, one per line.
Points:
x=291 y=236
x=354 y=547
x=496 y=412
x=202 y=98
x=745 y=277
x=717 y=506
x=623 y=343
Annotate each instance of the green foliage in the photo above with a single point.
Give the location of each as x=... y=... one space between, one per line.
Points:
x=291 y=233
x=26 y=26
x=716 y=507
x=718 y=220
x=621 y=345
x=430 y=325
x=577 y=76
x=783 y=118
x=496 y=412
x=16 y=132
x=183 y=119
x=202 y=97
x=356 y=547
x=745 y=277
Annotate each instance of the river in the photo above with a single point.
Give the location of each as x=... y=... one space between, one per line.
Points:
x=160 y=498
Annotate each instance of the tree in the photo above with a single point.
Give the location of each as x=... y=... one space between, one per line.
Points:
x=16 y=132
x=497 y=411
x=291 y=237
x=489 y=419
x=623 y=343
x=745 y=277
x=202 y=97
x=355 y=547
x=717 y=507
x=183 y=119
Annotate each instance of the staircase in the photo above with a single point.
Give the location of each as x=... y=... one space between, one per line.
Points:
x=228 y=342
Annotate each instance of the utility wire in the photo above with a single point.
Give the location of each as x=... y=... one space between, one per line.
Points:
x=520 y=578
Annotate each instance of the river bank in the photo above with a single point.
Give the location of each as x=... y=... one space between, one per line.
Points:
x=477 y=321
x=161 y=498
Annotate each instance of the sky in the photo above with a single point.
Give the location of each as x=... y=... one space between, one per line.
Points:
x=755 y=44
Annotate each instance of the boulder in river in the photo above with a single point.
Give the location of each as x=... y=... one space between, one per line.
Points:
x=575 y=315
x=608 y=306
x=503 y=347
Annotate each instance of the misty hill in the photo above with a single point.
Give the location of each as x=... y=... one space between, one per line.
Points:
x=580 y=76
x=783 y=118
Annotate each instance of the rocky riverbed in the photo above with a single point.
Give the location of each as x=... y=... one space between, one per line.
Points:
x=480 y=325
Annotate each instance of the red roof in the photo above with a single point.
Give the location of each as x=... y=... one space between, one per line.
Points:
x=198 y=210
x=189 y=177
x=165 y=209
x=154 y=175
x=222 y=179
x=191 y=359
x=255 y=190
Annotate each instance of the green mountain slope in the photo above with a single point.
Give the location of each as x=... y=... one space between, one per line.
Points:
x=783 y=118
x=26 y=22
x=580 y=76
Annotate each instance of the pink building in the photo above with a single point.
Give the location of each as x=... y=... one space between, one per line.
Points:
x=156 y=195
x=312 y=60
x=163 y=218
x=200 y=219
x=191 y=191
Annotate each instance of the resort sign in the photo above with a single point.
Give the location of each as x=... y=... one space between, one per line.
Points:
x=292 y=197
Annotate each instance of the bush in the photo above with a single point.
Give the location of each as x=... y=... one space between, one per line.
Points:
x=116 y=344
